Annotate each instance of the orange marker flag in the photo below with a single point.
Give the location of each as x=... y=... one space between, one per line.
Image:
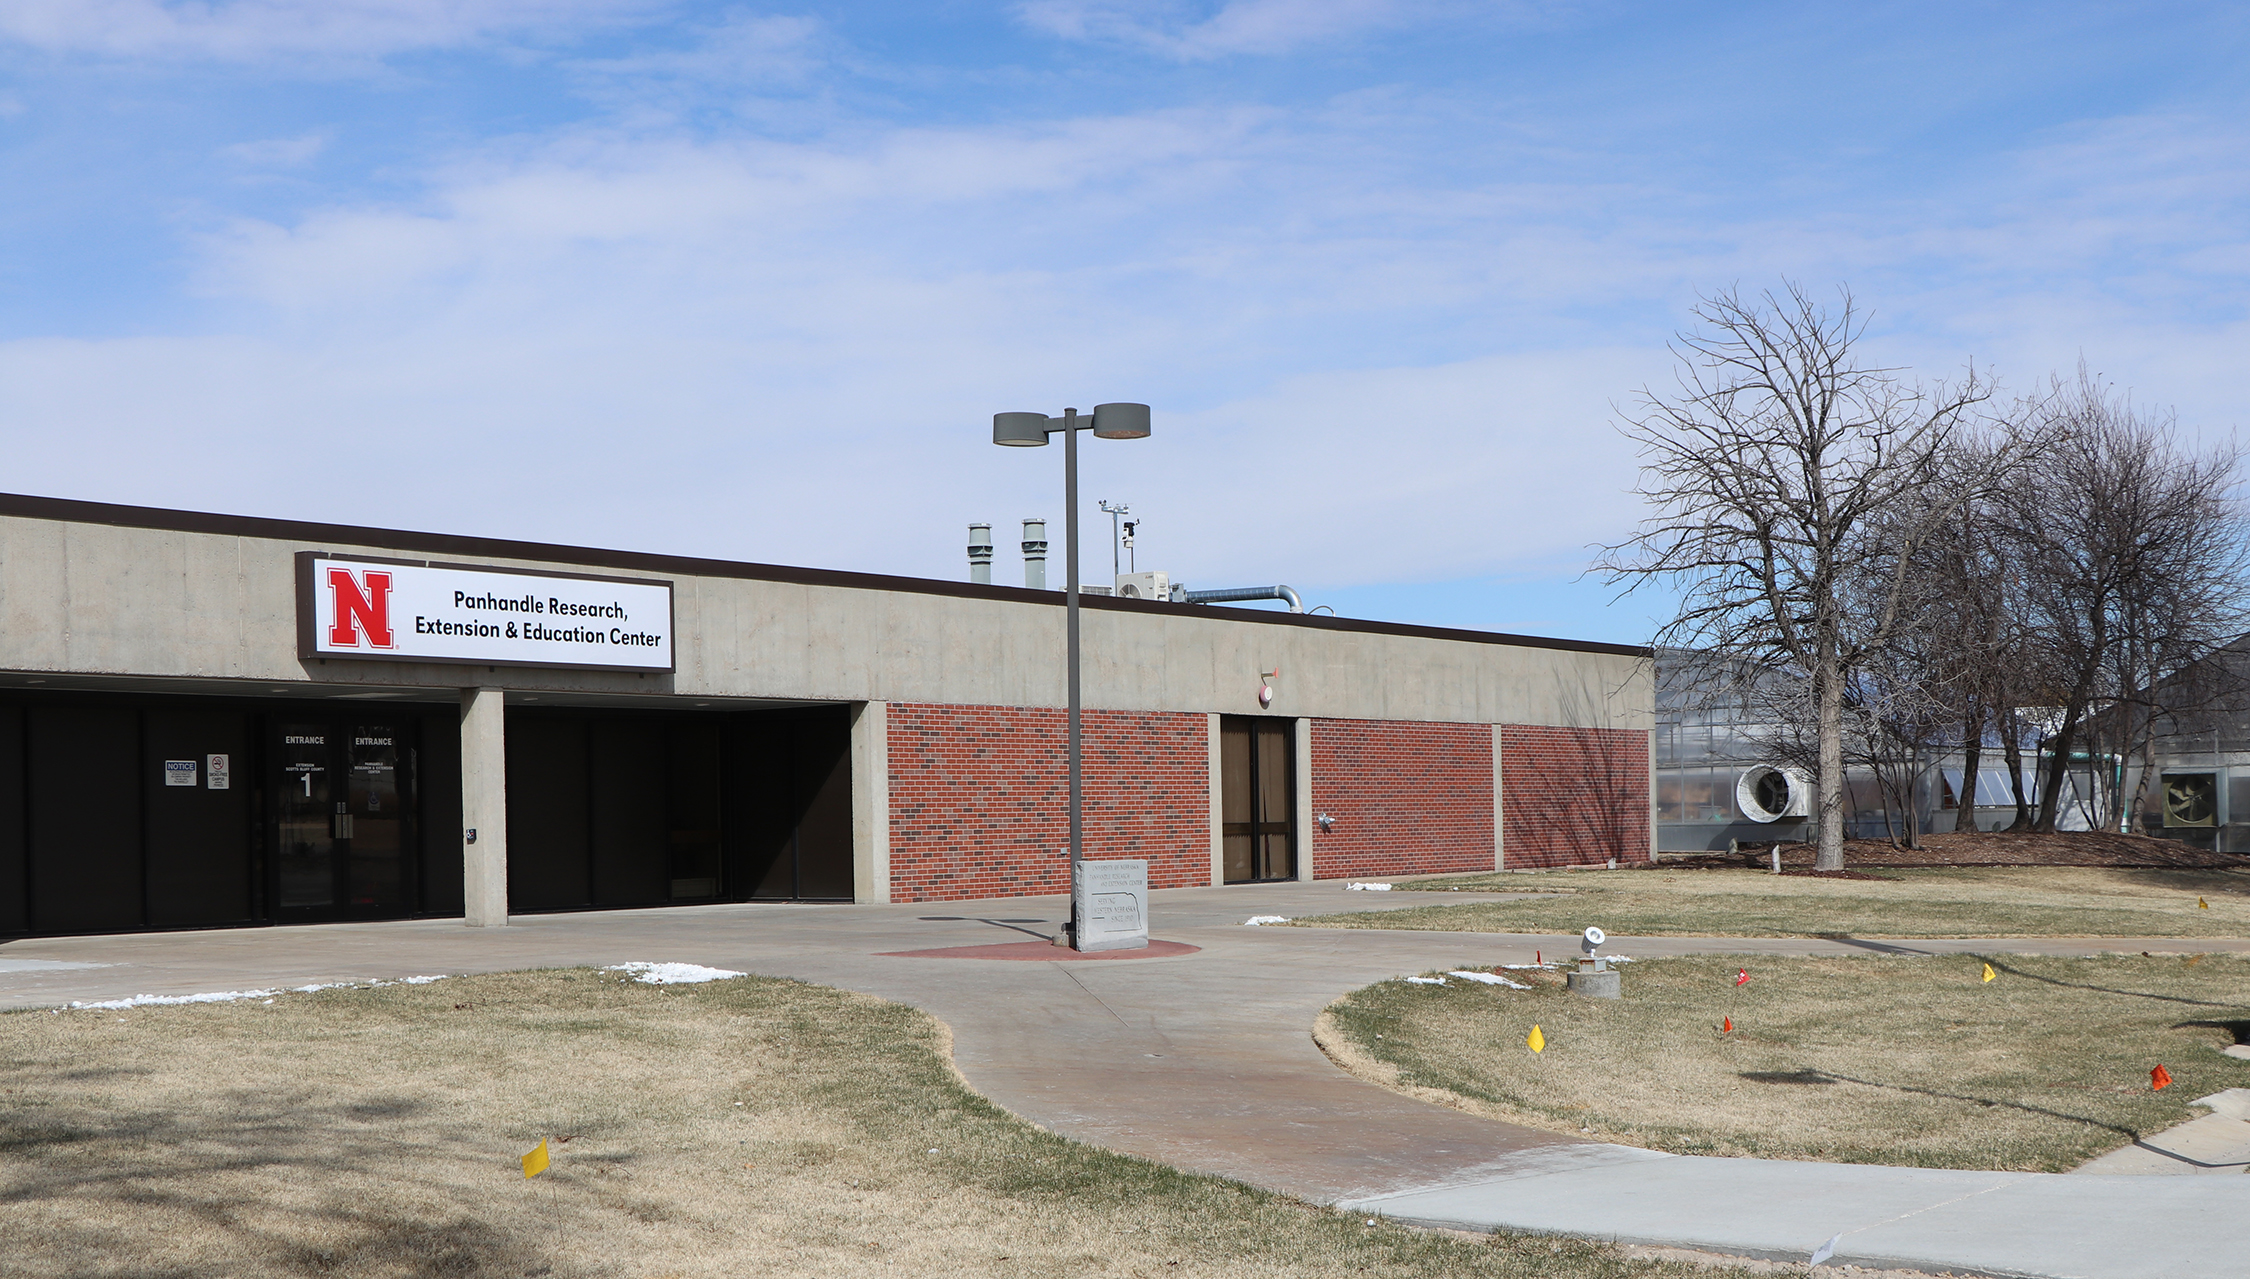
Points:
x=1728 y=1028
x=1988 y=973
x=2159 y=1078
x=1538 y=1041
x=535 y=1160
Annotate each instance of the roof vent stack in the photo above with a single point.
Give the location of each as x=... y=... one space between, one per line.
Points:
x=1035 y=554
x=980 y=554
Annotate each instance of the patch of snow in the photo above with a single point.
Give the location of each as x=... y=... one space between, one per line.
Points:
x=1256 y=920
x=325 y=985
x=670 y=974
x=1427 y=981
x=1534 y=967
x=161 y=1001
x=1367 y=888
x=1489 y=979
x=420 y=981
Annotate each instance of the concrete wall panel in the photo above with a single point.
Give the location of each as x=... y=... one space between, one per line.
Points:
x=92 y=598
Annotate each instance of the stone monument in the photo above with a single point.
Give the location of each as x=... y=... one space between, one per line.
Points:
x=1109 y=897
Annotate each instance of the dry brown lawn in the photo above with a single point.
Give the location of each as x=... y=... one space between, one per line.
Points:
x=746 y=1127
x=1912 y=1061
x=1996 y=901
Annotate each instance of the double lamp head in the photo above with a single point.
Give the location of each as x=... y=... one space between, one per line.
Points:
x=1111 y=422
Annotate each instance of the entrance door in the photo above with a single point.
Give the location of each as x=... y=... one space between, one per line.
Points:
x=790 y=790
x=343 y=819
x=1258 y=798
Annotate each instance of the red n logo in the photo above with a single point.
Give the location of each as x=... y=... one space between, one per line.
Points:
x=363 y=605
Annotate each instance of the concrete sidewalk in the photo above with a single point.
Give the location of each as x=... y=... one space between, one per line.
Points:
x=1205 y=1061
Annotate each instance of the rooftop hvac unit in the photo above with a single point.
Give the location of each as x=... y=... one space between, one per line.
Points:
x=1144 y=586
x=1769 y=794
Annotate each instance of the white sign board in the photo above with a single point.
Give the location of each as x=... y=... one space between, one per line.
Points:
x=218 y=772
x=1110 y=898
x=179 y=772
x=404 y=611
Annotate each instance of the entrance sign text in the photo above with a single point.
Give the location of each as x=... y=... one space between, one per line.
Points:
x=403 y=611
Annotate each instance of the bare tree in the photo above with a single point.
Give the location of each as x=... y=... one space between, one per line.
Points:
x=1897 y=714
x=1971 y=630
x=1768 y=467
x=2132 y=555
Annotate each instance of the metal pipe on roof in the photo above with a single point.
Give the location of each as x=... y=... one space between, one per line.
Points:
x=1230 y=594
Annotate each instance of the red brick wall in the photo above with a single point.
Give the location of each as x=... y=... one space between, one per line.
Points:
x=1408 y=798
x=978 y=798
x=1573 y=796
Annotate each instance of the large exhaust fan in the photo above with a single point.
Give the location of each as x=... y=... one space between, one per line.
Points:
x=1769 y=794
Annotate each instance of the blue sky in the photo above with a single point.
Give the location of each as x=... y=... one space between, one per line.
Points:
x=749 y=281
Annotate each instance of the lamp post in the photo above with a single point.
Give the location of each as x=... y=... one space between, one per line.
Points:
x=1030 y=430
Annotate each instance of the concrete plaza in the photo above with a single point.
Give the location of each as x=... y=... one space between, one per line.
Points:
x=1205 y=1060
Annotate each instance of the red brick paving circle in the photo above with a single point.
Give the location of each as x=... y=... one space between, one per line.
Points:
x=1041 y=950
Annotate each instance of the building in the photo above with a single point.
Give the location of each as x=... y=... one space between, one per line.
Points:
x=2181 y=752
x=211 y=720
x=1721 y=781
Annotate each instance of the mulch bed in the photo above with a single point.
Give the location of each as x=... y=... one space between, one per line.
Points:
x=1997 y=848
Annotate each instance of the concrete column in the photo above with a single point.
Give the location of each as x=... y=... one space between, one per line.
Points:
x=1499 y=812
x=1305 y=829
x=1215 y=787
x=484 y=808
x=1652 y=845
x=871 y=802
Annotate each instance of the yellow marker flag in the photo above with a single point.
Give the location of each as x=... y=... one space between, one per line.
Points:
x=535 y=1162
x=1537 y=1041
x=2201 y=904
x=1988 y=973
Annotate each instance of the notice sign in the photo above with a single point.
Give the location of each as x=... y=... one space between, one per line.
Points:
x=409 y=611
x=179 y=772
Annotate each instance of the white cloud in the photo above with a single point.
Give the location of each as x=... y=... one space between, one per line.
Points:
x=1367 y=366
x=741 y=47
x=700 y=347
x=250 y=30
x=268 y=153
x=1191 y=32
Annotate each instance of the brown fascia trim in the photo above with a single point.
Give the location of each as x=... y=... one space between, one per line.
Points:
x=68 y=510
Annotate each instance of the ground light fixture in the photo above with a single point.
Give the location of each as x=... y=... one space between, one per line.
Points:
x=1031 y=430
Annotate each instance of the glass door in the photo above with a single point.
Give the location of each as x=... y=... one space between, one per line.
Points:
x=343 y=820
x=304 y=821
x=376 y=815
x=1258 y=798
